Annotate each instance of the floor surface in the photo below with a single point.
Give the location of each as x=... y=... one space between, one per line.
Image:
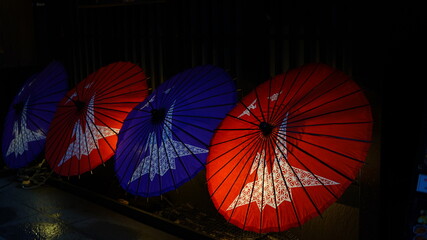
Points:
x=47 y=212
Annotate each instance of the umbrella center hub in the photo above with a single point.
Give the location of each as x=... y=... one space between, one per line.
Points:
x=80 y=105
x=266 y=128
x=158 y=115
x=19 y=107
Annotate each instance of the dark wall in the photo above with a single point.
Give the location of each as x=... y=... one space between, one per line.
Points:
x=17 y=45
x=253 y=40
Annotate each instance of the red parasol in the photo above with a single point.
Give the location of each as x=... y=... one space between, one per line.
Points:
x=289 y=149
x=83 y=133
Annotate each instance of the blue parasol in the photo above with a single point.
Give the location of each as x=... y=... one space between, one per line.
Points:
x=30 y=115
x=164 y=140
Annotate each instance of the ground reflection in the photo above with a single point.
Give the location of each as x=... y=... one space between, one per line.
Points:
x=44 y=230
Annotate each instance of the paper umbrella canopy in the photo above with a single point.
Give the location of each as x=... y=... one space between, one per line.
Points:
x=164 y=140
x=30 y=115
x=289 y=149
x=84 y=131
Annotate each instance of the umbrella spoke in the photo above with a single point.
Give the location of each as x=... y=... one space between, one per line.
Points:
x=276 y=204
x=135 y=135
x=169 y=162
x=314 y=97
x=133 y=155
x=100 y=87
x=271 y=98
x=324 y=104
x=198 y=116
x=152 y=141
x=99 y=131
x=32 y=119
x=243 y=120
x=140 y=117
x=70 y=163
x=302 y=113
x=281 y=145
x=115 y=104
x=178 y=90
x=264 y=172
x=328 y=124
x=228 y=151
x=54 y=78
x=99 y=76
x=331 y=112
x=97 y=112
x=41 y=106
x=194 y=126
x=256 y=132
x=251 y=113
x=203 y=87
x=206 y=145
x=190 y=135
x=287 y=187
x=328 y=149
x=136 y=126
x=210 y=106
x=235 y=129
x=179 y=157
x=59 y=129
x=294 y=174
x=107 y=87
x=34 y=134
x=199 y=101
x=83 y=143
x=261 y=160
x=98 y=108
x=260 y=107
x=199 y=93
x=59 y=135
x=95 y=138
x=159 y=158
x=40 y=97
x=129 y=88
x=60 y=160
x=267 y=119
x=291 y=93
x=254 y=147
x=186 y=86
x=331 y=136
x=249 y=144
x=285 y=101
x=321 y=161
x=173 y=90
x=119 y=96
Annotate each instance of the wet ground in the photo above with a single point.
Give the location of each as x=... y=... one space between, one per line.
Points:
x=47 y=212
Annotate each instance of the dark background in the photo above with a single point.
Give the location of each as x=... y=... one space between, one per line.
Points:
x=382 y=47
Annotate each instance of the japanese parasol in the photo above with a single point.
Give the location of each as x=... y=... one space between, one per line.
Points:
x=289 y=149
x=164 y=140
x=30 y=115
x=84 y=130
